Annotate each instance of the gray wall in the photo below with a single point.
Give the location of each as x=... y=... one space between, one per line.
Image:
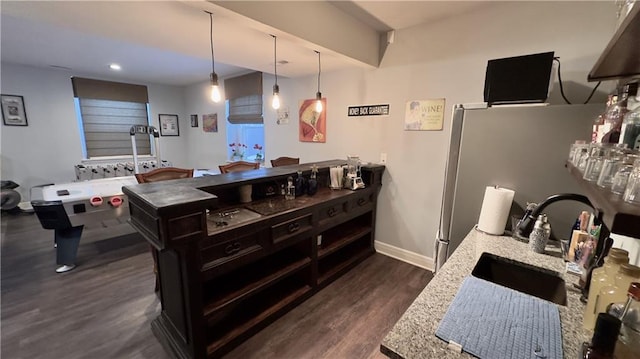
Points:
x=47 y=150
x=444 y=59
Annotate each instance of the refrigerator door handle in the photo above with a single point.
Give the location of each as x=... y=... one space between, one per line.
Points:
x=441 y=250
x=441 y=253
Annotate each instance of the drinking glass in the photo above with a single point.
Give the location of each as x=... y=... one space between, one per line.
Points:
x=619 y=182
x=609 y=168
x=632 y=191
x=576 y=149
x=581 y=157
x=598 y=152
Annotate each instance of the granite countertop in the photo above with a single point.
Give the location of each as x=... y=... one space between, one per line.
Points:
x=413 y=336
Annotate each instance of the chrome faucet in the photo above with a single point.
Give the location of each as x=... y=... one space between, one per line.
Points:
x=525 y=225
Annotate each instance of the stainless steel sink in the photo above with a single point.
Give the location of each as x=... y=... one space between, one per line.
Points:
x=232 y=217
x=525 y=278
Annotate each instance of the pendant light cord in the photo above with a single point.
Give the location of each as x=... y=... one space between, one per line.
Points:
x=319 y=69
x=213 y=69
x=275 y=58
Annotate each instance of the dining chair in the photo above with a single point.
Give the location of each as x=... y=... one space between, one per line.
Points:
x=239 y=166
x=285 y=161
x=161 y=174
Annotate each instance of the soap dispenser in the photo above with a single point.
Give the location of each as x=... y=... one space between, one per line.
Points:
x=540 y=234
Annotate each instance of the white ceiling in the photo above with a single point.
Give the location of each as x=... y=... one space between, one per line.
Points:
x=167 y=42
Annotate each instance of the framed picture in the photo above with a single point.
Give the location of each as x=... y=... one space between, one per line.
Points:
x=424 y=115
x=194 y=120
x=313 y=125
x=210 y=122
x=169 y=125
x=13 y=112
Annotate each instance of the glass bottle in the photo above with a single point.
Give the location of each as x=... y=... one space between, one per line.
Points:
x=616 y=114
x=604 y=338
x=616 y=293
x=601 y=277
x=610 y=115
x=290 y=190
x=630 y=128
x=300 y=184
x=312 y=184
x=628 y=345
x=600 y=125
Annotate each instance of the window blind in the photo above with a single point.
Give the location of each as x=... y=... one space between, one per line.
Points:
x=107 y=112
x=245 y=98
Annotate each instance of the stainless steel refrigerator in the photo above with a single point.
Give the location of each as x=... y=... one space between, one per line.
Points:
x=523 y=148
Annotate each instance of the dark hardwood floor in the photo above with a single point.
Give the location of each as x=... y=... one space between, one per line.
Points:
x=104 y=307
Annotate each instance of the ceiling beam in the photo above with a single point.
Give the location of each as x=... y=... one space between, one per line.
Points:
x=318 y=22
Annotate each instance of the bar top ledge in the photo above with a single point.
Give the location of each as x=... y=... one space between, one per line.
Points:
x=200 y=189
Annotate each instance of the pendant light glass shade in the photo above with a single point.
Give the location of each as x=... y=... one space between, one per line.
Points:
x=318 y=94
x=275 y=102
x=215 y=88
x=216 y=96
x=318 y=102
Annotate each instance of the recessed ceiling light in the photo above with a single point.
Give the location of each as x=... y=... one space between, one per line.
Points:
x=114 y=67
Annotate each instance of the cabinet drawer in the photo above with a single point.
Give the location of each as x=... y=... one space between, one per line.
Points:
x=362 y=199
x=293 y=227
x=245 y=246
x=331 y=213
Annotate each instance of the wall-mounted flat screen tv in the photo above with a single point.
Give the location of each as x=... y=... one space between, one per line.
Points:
x=519 y=79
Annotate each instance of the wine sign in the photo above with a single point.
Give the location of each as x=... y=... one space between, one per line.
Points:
x=369 y=110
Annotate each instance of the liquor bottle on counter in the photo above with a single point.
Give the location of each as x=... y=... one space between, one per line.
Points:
x=628 y=345
x=616 y=293
x=604 y=338
x=300 y=184
x=602 y=277
x=312 y=183
x=290 y=190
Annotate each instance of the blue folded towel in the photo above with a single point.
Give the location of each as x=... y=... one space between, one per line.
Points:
x=494 y=322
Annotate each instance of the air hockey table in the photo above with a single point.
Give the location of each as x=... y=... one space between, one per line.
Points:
x=67 y=208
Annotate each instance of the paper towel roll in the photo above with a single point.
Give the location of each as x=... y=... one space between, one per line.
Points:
x=495 y=210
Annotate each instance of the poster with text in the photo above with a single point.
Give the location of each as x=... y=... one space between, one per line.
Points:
x=424 y=115
x=210 y=122
x=313 y=125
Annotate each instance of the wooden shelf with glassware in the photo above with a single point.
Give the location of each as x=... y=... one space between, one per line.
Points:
x=620 y=217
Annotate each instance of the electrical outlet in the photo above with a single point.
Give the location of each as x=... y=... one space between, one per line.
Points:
x=383 y=158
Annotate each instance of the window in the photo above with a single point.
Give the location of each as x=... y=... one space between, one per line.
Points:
x=244 y=108
x=106 y=111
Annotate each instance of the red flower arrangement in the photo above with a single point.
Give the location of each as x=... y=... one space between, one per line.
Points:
x=237 y=149
x=258 y=152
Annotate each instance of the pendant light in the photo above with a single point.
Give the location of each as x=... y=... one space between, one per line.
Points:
x=275 y=103
x=215 y=88
x=318 y=94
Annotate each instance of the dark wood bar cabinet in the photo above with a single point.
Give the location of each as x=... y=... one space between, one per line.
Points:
x=227 y=269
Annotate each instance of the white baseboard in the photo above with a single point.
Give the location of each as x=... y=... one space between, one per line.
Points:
x=404 y=255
